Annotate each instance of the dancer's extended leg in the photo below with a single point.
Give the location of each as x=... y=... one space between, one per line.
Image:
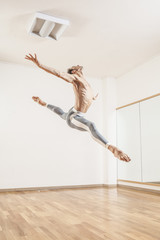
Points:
x=57 y=110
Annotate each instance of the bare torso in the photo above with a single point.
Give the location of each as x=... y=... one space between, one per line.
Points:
x=82 y=90
x=83 y=93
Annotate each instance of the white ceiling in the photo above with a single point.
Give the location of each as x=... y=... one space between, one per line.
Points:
x=107 y=37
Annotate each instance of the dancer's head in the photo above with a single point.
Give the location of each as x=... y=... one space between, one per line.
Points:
x=75 y=69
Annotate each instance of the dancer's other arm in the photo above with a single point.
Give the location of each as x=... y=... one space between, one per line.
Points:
x=65 y=76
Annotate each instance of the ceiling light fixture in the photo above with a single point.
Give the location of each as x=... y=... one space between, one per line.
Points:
x=47 y=26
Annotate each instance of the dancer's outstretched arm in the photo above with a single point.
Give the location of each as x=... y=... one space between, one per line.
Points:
x=65 y=76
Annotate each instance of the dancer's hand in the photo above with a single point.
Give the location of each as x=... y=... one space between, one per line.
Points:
x=38 y=100
x=32 y=58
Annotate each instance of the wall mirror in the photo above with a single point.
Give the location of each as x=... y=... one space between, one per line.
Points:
x=138 y=134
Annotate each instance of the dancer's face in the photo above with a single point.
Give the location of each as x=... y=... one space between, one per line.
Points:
x=75 y=69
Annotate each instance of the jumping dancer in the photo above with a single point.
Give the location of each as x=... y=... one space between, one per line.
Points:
x=83 y=99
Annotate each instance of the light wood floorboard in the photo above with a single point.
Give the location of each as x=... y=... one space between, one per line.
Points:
x=80 y=214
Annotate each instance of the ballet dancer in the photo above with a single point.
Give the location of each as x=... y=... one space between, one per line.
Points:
x=83 y=99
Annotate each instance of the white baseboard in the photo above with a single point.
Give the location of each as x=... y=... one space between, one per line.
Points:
x=149 y=187
x=58 y=187
x=110 y=185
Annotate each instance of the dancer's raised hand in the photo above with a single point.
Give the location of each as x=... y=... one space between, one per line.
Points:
x=32 y=58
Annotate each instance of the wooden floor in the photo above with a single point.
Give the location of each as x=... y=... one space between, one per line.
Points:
x=83 y=214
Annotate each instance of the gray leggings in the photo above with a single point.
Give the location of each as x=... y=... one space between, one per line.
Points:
x=76 y=120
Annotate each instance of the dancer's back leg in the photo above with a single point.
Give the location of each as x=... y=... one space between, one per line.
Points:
x=80 y=121
x=89 y=126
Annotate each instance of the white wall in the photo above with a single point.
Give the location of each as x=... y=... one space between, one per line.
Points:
x=37 y=148
x=110 y=162
x=143 y=81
